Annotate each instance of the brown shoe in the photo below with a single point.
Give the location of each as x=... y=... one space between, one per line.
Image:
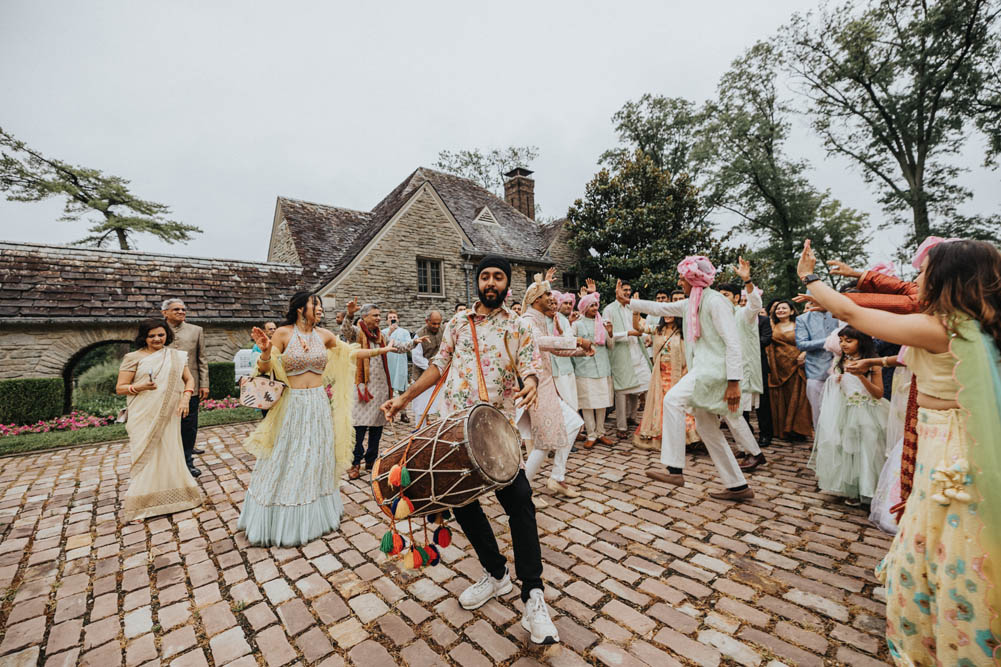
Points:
x=581 y=437
x=623 y=435
x=752 y=462
x=354 y=472
x=666 y=477
x=605 y=440
x=588 y=444
x=727 y=494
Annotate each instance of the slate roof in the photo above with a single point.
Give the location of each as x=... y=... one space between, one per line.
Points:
x=57 y=282
x=328 y=238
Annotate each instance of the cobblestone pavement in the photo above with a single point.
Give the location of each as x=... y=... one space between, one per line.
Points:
x=636 y=573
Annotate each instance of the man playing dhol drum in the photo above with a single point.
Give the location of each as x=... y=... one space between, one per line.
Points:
x=493 y=335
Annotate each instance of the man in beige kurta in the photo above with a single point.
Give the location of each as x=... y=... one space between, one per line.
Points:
x=189 y=338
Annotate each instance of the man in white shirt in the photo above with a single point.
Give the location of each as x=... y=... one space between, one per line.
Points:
x=420 y=355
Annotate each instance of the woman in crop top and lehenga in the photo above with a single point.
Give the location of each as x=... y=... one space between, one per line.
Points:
x=942 y=570
x=303 y=446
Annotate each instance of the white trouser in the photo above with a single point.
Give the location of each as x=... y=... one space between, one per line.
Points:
x=742 y=434
x=672 y=450
x=627 y=404
x=594 y=422
x=815 y=394
x=535 y=459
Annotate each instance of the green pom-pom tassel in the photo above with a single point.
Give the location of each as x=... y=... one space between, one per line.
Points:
x=404 y=477
x=387 y=542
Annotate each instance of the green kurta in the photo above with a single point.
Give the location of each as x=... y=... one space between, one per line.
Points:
x=561 y=365
x=594 y=367
x=623 y=373
x=707 y=359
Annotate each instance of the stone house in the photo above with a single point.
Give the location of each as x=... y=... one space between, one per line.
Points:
x=417 y=249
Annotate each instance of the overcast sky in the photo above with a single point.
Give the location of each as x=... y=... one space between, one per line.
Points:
x=216 y=108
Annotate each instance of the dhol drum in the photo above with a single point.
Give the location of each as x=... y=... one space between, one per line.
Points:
x=451 y=462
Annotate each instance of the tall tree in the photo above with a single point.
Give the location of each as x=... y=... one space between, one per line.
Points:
x=745 y=138
x=665 y=128
x=893 y=87
x=27 y=175
x=637 y=221
x=486 y=168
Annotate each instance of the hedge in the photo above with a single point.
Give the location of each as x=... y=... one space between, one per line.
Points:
x=29 y=400
x=222 y=379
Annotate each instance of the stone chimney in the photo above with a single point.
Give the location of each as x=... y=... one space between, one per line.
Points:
x=519 y=190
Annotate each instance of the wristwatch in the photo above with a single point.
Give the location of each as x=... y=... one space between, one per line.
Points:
x=810 y=278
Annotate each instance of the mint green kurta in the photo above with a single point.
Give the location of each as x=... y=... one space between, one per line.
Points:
x=621 y=357
x=707 y=359
x=597 y=366
x=561 y=365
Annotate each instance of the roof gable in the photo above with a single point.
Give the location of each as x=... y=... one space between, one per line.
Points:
x=328 y=239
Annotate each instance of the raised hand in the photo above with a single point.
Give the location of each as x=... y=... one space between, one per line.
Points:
x=839 y=268
x=261 y=338
x=743 y=269
x=550 y=274
x=352 y=306
x=807 y=260
x=591 y=286
x=811 y=303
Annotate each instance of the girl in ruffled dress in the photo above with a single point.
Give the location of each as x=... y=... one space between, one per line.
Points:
x=850 y=442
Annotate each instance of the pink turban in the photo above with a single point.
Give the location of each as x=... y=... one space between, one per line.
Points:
x=926 y=247
x=599 y=325
x=567 y=297
x=699 y=272
x=885 y=268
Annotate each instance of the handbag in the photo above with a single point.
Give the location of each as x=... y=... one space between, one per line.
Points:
x=261 y=392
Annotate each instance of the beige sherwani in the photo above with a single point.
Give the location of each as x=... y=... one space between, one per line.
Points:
x=190 y=338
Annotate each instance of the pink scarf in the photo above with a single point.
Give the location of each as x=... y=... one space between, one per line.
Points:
x=599 y=325
x=699 y=272
x=926 y=247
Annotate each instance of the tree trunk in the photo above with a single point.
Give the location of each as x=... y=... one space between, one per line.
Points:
x=922 y=228
x=123 y=241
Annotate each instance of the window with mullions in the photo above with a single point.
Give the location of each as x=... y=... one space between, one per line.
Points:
x=429 y=280
x=570 y=282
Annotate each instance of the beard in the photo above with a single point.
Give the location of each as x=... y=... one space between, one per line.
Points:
x=494 y=301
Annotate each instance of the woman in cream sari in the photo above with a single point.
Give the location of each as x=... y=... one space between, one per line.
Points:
x=158 y=384
x=304 y=444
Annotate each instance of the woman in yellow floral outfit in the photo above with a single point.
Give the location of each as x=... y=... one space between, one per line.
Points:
x=942 y=569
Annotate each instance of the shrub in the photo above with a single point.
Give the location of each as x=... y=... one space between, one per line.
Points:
x=222 y=379
x=29 y=400
x=99 y=380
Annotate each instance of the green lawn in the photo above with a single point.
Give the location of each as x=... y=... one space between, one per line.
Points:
x=17 y=444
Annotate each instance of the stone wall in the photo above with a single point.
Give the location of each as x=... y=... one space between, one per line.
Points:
x=44 y=350
x=283 y=249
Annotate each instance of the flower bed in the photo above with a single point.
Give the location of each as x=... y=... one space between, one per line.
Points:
x=74 y=421
x=78 y=419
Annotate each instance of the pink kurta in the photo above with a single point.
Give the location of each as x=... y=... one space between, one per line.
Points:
x=549 y=432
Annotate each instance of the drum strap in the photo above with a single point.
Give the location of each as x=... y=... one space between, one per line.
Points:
x=481 y=382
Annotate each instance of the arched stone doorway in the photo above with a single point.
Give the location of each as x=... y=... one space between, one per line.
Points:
x=69 y=369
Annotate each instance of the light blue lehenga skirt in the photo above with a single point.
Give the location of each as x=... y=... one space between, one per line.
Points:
x=293 y=495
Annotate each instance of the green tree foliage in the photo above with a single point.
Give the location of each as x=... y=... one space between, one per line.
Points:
x=486 y=168
x=744 y=139
x=894 y=86
x=637 y=221
x=27 y=175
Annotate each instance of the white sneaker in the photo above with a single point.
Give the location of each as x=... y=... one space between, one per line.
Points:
x=536 y=620
x=480 y=593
